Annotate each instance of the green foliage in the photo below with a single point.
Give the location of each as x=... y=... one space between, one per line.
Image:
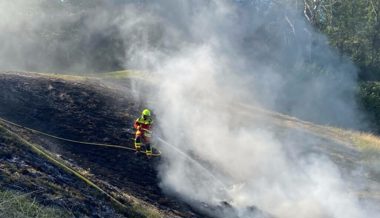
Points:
x=370 y=97
x=22 y=205
x=353 y=27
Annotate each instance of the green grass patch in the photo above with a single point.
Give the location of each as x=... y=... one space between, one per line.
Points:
x=67 y=77
x=122 y=74
x=145 y=210
x=13 y=204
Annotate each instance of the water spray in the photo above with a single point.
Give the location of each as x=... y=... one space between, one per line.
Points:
x=204 y=169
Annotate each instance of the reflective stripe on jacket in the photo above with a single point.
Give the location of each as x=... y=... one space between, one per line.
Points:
x=144 y=124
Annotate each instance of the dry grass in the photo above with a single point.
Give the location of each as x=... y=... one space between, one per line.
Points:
x=364 y=141
x=122 y=74
x=361 y=140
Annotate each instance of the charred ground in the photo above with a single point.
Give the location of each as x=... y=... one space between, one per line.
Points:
x=85 y=110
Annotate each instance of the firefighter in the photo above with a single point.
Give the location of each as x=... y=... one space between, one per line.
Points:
x=143 y=135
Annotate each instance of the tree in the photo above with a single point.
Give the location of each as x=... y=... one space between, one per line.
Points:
x=353 y=27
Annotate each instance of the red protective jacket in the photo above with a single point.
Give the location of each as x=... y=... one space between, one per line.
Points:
x=142 y=125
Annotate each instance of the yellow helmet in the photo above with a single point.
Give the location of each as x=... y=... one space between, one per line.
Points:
x=146 y=112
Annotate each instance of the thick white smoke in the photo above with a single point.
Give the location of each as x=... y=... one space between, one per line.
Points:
x=207 y=57
x=59 y=36
x=203 y=81
x=249 y=159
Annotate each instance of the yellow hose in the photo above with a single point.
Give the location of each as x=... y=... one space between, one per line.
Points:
x=75 y=141
x=44 y=154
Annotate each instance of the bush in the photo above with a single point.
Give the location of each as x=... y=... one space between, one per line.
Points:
x=370 y=99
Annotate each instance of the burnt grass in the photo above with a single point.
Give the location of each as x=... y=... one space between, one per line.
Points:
x=87 y=110
x=24 y=172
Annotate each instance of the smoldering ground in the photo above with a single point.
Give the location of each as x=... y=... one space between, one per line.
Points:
x=208 y=58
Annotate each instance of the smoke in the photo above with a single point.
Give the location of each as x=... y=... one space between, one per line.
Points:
x=208 y=58
x=229 y=53
x=59 y=36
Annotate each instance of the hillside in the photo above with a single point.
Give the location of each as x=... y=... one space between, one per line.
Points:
x=85 y=111
x=88 y=180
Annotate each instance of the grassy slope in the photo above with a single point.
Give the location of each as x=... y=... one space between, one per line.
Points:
x=361 y=140
x=364 y=142
x=15 y=203
x=134 y=205
x=370 y=93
